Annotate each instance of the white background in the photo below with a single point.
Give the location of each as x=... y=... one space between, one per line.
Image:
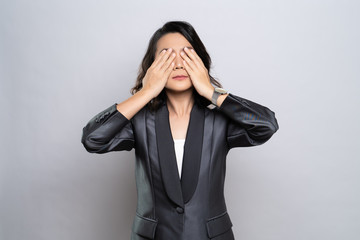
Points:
x=64 y=61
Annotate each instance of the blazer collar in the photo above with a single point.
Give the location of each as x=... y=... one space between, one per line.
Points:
x=181 y=190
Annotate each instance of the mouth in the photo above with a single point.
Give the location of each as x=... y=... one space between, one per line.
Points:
x=179 y=77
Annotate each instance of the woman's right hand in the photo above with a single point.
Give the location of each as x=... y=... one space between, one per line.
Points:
x=158 y=73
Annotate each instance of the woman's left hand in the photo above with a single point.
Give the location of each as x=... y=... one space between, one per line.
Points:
x=198 y=72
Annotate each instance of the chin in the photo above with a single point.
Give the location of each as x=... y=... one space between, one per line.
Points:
x=178 y=88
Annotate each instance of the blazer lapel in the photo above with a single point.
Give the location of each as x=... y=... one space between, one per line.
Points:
x=192 y=152
x=180 y=191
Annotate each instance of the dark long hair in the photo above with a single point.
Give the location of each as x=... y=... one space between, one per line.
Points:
x=190 y=34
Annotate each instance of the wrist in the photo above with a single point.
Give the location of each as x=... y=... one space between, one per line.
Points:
x=209 y=92
x=147 y=92
x=220 y=97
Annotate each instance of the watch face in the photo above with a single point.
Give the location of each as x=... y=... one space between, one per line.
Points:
x=220 y=90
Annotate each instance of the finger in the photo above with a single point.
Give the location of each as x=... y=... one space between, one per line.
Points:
x=187 y=67
x=159 y=56
x=170 y=68
x=194 y=57
x=188 y=61
x=192 y=53
x=168 y=62
x=164 y=58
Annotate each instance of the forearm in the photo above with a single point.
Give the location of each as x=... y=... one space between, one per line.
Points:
x=258 y=121
x=133 y=104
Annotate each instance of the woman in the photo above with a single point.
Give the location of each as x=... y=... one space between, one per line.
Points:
x=181 y=128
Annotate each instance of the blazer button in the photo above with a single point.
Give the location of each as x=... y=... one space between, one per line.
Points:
x=180 y=210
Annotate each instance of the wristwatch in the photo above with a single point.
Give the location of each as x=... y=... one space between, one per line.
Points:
x=217 y=92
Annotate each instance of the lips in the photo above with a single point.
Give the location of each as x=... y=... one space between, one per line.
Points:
x=179 y=77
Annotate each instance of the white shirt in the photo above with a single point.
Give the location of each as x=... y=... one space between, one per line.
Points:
x=179 y=150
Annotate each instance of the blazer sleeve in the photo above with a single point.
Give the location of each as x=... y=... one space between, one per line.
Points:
x=250 y=123
x=108 y=131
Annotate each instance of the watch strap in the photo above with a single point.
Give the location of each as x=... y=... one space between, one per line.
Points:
x=215 y=96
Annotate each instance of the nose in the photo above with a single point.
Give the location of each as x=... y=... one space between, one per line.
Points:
x=178 y=60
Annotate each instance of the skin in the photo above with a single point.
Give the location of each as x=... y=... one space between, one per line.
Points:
x=178 y=60
x=179 y=93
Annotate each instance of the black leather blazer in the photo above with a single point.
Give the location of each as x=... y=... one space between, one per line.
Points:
x=193 y=207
